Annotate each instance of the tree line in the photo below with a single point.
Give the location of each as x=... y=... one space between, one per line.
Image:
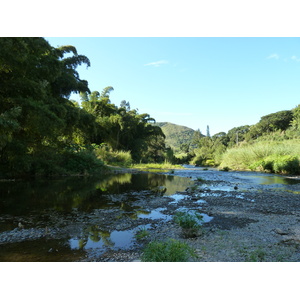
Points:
x=209 y=150
x=43 y=132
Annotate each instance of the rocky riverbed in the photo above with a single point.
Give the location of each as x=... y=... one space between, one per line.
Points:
x=247 y=217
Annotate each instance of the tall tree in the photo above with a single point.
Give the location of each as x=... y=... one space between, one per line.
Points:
x=207 y=131
x=121 y=127
x=36 y=82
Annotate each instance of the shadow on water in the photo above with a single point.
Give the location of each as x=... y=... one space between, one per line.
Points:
x=77 y=199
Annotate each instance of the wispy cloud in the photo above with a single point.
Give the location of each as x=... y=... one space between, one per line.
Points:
x=273 y=56
x=295 y=58
x=157 y=63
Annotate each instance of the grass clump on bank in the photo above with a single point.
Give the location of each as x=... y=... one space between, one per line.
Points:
x=142 y=233
x=168 y=251
x=270 y=156
x=114 y=158
x=190 y=223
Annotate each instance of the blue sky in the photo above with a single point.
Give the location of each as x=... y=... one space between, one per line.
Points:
x=195 y=81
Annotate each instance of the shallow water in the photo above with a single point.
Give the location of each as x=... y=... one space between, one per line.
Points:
x=271 y=179
x=34 y=203
x=81 y=200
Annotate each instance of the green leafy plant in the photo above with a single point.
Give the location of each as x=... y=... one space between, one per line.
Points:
x=168 y=251
x=190 y=223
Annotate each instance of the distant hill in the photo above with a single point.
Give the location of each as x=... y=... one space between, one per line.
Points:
x=176 y=134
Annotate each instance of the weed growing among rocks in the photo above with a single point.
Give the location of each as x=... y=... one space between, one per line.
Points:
x=168 y=251
x=142 y=234
x=190 y=223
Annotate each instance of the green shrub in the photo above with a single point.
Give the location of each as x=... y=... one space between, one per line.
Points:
x=267 y=163
x=115 y=158
x=287 y=164
x=190 y=223
x=47 y=163
x=81 y=162
x=278 y=164
x=168 y=251
x=210 y=162
x=198 y=160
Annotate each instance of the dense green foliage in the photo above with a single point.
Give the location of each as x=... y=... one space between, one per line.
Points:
x=124 y=129
x=271 y=145
x=43 y=132
x=273 y=156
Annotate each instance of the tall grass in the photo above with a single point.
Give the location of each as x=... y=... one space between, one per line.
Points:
x=114 y=158
x=274 y=156
x=168 y=251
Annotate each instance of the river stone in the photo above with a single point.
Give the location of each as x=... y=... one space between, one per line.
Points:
x=281 y=232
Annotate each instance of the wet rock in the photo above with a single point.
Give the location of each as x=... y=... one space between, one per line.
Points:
x=280 y=231
x=291 y=240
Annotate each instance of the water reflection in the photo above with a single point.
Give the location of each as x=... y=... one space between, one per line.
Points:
x=104 y=239
x=84 y=194
x=86 y=205
x=271 y=179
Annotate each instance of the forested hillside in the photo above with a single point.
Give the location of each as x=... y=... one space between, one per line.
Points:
x=176 y=135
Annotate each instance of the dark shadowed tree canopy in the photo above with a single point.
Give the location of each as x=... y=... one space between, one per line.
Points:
x=42 y=129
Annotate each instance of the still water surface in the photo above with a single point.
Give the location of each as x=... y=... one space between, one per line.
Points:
x=55 y=203
x=35 y=202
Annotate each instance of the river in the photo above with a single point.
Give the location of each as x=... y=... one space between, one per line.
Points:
x=84 y=218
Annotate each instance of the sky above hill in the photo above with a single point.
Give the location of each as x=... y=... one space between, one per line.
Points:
x=194 y=81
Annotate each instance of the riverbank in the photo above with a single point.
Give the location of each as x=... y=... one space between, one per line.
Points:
x=248 y=217
x=250 y=221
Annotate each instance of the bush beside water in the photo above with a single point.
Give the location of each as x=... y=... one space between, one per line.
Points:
x=190 y=223
x=114 y=158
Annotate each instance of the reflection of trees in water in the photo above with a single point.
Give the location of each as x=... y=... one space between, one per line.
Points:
x=113 y=183
x=83 y=193
x=95 y=234
x=132 y=212
x=177 y=184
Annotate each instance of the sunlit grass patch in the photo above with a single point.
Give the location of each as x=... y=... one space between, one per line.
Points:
x=165 y=165
x=272 y=156
x=168 y=251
